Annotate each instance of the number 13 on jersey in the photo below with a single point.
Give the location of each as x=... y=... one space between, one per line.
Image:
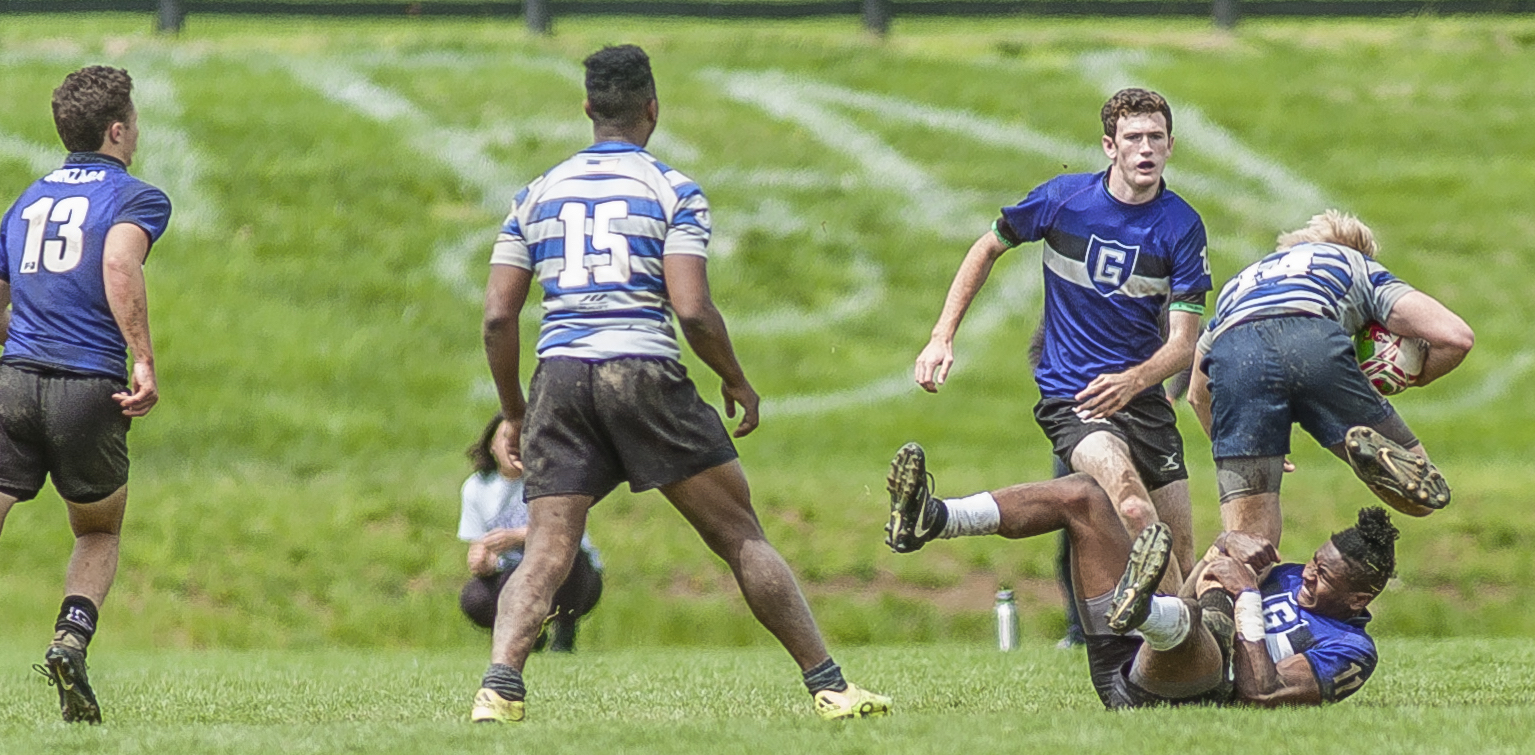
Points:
x=576 y=273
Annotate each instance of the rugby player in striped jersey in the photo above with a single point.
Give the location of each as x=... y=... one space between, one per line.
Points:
x=1279 y=351
x=617 y=240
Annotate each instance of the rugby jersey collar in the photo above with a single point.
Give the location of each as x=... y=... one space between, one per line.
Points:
x=93 y=158
x=614 y=146
x=1103 y=182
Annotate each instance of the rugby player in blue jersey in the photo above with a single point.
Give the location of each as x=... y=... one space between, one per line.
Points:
x=1295 y=636
x=1120 y=248
x=617 y=240
x=72 y=252
x=1279 y=350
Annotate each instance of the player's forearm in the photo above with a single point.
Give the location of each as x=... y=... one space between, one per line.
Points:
x=1176 y=354
x=129 y=302
x=1257 y=678
x=1442 y=359
x=705 y=332
x=1199 y=399
x=503 y=349
x=972 y=274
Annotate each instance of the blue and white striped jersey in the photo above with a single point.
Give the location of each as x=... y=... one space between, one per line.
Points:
x=1318 y=280
x=593 y=230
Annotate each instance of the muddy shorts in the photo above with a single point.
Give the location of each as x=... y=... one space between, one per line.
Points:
x=1148 y=425
x=593 y=425
x=64 y=425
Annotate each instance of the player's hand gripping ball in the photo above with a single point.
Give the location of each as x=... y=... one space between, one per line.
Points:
x=1390 y=361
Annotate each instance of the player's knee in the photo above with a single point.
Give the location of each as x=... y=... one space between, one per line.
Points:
x=1137 y=512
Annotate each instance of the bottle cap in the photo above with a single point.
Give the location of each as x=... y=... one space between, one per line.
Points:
x=1004 y=595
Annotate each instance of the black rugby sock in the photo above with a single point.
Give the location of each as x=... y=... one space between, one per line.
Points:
x=827 y=676
x=77 y=616
x=505 y=681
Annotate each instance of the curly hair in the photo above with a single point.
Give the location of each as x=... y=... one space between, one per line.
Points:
x=1128 y=102
x=618 y=84
x=1370 y=547
x=479 y=452
x=88 y=102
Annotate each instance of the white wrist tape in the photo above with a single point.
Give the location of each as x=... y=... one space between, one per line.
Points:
x=1249 y=616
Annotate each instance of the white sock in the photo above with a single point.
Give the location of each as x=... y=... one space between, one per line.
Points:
x=972 y=515
x=1168 y=624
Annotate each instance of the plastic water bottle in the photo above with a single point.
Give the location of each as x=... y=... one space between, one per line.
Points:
x=1007 y=621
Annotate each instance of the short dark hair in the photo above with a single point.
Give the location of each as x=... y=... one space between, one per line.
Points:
x=88 y=102
x=479 y=452
x=1127 y=102
x=1369 y=547
x=618 y=85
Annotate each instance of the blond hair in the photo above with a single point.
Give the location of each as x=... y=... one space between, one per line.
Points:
x=1333 y=227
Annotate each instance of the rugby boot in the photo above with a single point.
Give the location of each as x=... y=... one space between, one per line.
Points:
x=853 y=702
x=1402 y=479
x=64 y=665
x=1150 y=554
x=492 y=708
x=916 y=517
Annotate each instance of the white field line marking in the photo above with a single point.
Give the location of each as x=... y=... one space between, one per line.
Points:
x=1299 y=198
x=173 y=162
x=38 y=158
x=933 y=206
x=1012 y=294
x=1493 y=387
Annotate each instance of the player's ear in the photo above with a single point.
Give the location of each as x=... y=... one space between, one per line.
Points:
x=586 y=106
x=653 y=110
x=1108 y=146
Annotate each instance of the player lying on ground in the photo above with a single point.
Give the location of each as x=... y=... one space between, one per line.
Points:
x=1279 y=350
x=72 y=253
x=618 y=239
x=1120 y=250
x=1293 y=636
x=1315 y=612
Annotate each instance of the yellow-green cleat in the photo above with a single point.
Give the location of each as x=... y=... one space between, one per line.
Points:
x=491 y=708
x=853 y=702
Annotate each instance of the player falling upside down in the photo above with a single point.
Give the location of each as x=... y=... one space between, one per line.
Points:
x=1294 y=637
x=618 y=239
x=1120 y=249
x=1279 y=350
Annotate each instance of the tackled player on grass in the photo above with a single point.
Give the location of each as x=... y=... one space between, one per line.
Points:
x=617 y=239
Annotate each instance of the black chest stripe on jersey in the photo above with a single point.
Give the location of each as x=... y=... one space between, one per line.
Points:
x=1147 y=264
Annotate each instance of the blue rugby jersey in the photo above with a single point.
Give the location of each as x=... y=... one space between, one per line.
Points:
x=1312 y=279
x=51 y=245
x=1341 y=653
x=1110 y=270
x=593 y=230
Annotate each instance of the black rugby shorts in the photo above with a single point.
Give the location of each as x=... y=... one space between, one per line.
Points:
x=65 y=425
x=1148 y=425
x=592 y=425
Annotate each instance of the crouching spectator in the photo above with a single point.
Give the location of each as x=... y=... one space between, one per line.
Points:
x=494 y=522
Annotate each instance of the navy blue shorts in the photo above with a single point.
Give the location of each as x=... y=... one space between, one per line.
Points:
x=1268 y=374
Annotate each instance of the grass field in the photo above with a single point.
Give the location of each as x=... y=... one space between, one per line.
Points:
x=1428 y=697
x=337 y=184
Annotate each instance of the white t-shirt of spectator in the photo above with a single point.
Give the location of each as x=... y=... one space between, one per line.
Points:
x=491 y=502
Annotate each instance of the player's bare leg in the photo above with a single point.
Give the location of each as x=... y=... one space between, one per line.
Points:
x=6 y=502
x=98 y=528
x=1175 y=508
x=1107 y=459
x=1081 y=508
x=717 y=502
x=1181 y=655
x=555 y=525
x=1255 y=514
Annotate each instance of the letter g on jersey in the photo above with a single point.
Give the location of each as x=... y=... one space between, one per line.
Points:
x=1110 y=264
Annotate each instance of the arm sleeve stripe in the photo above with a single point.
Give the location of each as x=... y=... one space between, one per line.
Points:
x=1183 y=306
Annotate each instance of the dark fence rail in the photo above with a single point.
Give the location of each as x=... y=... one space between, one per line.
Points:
x=876 y=14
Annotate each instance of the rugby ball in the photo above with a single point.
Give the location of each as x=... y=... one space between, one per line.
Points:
x=1390 y=361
